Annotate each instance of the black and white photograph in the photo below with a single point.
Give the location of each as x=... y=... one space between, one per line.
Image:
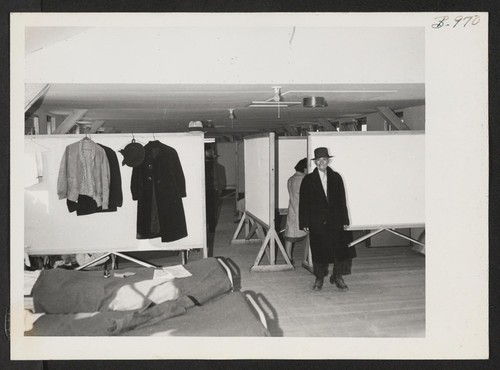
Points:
x=225 y=186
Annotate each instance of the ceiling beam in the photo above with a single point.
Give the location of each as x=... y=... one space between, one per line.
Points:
x=33 y=92
x=95 y=126
x=326 y=124
x=392 y=118
x=70 y=121
x=291 y=131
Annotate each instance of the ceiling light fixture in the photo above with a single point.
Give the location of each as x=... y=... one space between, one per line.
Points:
x=277 y=94
x=314 y=102
x=259 y=104
x=276 y=101
x=273 y=105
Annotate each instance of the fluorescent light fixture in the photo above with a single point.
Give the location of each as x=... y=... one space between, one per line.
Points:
x=314 y=102
x=270 y=102
x=268 y=106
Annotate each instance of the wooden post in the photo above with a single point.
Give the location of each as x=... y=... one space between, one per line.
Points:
x=272 y=237
x=272 y=196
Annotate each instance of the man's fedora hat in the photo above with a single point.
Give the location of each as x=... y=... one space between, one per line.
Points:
x=321 y=152
x=210 y=154
x=133 y=154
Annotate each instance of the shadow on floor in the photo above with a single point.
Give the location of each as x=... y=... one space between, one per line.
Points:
x=269 y=311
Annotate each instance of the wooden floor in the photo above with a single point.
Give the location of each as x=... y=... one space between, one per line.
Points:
x=386 y=296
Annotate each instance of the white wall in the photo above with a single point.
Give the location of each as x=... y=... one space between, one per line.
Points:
x=226 y=49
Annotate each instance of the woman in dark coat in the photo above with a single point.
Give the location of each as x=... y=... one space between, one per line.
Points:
x=158 y=184
x=323 y=214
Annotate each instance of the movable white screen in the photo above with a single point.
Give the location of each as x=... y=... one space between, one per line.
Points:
x=383 y=173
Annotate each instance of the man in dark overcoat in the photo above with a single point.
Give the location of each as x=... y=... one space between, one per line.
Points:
x=323 y=215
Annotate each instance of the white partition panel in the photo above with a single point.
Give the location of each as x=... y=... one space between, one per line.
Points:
x=240 y=173
x=49 y=228
x=383 y=172
x=258 y=176
x=291 y=149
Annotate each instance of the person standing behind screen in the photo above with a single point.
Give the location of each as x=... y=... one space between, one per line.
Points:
x=292 y=232
x=323 y=215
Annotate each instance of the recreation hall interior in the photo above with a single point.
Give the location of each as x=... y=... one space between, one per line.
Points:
x=207 y=256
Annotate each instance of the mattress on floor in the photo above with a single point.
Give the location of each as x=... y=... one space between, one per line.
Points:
x=78 y=303
x=227 y=315
x=230 y=315
x=60 y=291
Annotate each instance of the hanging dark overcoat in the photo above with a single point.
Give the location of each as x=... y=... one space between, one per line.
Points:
x=158 y=185
x=325 y=218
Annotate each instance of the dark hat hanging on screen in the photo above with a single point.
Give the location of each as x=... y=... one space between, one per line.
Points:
x=321 y=152
x=133 y=154
x=195 y=126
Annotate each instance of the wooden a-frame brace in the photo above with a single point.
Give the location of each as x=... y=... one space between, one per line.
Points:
x=268 y=241
x=250 y=227
x=269 y=248
x=307 y=262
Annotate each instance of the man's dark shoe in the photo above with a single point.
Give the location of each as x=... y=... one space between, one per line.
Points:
x=339 y=282
x=318 y=284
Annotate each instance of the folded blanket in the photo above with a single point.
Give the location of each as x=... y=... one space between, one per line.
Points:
x=226 y=315
x=229 y=315
x=102 y=323
x=70 y=291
